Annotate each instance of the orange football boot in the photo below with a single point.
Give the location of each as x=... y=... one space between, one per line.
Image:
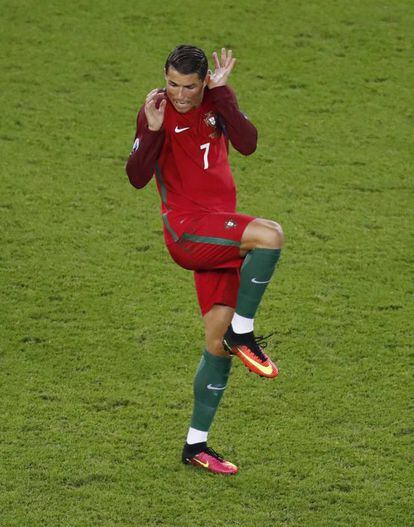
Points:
x=249 y=349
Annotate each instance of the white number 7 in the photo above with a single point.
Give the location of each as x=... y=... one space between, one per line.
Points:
x=207 y=147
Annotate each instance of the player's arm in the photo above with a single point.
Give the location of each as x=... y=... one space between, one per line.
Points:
x=149 y=138
x=240 y=131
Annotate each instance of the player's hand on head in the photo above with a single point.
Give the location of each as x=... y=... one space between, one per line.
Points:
x=155 y=109
x=222 y=68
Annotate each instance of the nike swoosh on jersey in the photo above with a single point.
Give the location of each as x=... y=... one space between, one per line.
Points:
x=259 y=282
x=212 y=387
x=179 y=130
x=264 y=369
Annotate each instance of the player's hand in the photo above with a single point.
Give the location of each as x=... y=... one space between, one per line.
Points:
x=223 y=68
x=154 y=115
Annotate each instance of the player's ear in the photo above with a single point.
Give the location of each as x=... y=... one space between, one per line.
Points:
x=206 y=79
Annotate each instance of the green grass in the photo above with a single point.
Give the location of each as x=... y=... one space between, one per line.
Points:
x=100 y=332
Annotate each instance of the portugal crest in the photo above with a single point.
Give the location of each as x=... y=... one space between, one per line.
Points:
x=230 y=224
x=210 y=120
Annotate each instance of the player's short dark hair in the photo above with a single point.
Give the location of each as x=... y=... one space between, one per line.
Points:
x=188 y=59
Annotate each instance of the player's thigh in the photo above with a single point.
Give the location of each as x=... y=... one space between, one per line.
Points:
x=210 y=241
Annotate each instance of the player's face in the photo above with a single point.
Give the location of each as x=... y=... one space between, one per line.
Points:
x=184 y=91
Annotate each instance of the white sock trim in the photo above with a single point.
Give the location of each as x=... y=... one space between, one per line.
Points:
x=242 y=324
x=196 y=436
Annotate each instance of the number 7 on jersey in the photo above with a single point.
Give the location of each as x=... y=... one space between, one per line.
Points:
x=205 y=146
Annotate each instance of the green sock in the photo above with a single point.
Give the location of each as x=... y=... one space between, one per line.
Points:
x=209 y=384
x=256 y=272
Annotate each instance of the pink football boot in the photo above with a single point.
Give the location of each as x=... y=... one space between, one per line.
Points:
x=210 y=460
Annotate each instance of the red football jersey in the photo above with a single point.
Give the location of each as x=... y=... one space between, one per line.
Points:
x=193 y=172
x=189 y=154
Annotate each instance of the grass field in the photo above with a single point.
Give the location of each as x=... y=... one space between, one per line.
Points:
x=100 y=332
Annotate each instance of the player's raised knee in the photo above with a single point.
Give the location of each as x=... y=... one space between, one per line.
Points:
x=277 y=235
x=261 y=233
x=271 y=235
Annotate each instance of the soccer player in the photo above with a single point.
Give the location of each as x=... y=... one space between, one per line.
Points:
x=182 y=137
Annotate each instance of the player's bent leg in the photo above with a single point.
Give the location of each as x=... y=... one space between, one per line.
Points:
x=261 y=244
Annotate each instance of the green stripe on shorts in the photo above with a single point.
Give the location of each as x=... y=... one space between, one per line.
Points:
x=209 y=239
